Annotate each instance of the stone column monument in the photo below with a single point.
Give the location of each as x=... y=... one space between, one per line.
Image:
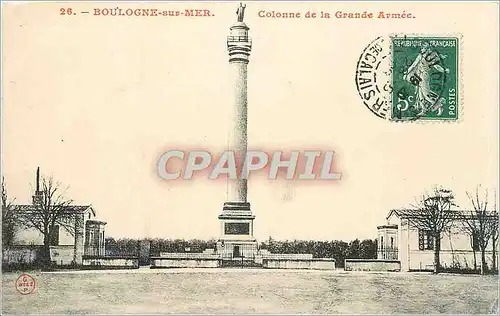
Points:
x=239 y=46
x=237 y=239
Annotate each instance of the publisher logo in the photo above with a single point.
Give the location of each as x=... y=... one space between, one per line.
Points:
x=25 y=284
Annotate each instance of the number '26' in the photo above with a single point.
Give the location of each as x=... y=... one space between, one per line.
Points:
x=67 y=11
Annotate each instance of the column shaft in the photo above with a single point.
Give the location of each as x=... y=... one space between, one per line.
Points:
x=237 y=191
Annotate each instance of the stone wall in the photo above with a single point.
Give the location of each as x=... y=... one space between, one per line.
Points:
x=21 y=255
x=371 y=265
x=287 y=256
x=188 y=255
x=312 y=264
x=111 y=263
x=62 y=255
x=160 y=262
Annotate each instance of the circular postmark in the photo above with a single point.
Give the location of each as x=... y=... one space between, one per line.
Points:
x=402 y=78
x=25 y=284
x=373 y=77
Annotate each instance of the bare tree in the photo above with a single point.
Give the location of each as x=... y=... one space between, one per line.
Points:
x=8 y=219
x=51 y=208
x=494 y=233
x=471 y=228
x=494 y=241
x=433 y=215
x=478 y=223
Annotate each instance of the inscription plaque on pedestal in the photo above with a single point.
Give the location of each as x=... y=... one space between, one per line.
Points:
x=237 y=228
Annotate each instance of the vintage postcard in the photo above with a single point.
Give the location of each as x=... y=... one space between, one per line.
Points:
x=250 y=157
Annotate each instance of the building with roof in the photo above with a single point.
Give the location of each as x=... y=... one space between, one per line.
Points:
x=399 y=239
x=82 y=236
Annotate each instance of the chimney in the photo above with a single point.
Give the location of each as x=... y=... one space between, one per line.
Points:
x=38 y=197
x=37 y=179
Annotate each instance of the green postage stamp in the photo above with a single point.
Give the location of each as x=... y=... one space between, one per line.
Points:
x=425 y=78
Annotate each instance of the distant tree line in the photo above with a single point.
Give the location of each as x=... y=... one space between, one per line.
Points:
x=336 y=249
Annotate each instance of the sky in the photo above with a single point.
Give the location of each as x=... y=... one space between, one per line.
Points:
x=94 y=101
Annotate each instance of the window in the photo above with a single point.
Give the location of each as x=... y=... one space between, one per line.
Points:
x=382 y=242
x=54 y=236
x=425 y=240
x=392 y=242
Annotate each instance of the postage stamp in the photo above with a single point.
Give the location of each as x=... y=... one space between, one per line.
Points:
x=25 y=284
x=425 y=78
x=401 y=78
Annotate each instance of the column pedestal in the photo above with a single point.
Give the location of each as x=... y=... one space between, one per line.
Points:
x=237 y=240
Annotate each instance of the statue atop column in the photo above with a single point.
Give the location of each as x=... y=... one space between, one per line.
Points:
x=241 y=12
